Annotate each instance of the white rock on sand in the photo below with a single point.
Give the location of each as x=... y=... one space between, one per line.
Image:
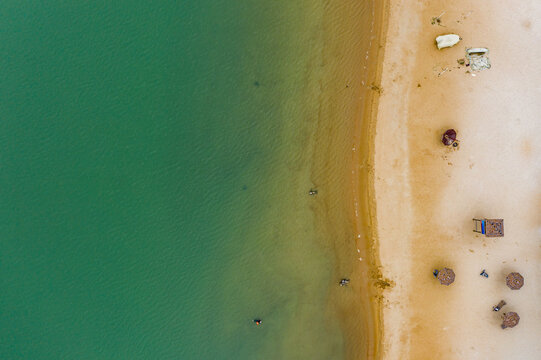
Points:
x=448 y=40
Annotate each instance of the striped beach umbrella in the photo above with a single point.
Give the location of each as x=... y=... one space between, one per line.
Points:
x=510 y=320
x=514 y=280
x=446 y=276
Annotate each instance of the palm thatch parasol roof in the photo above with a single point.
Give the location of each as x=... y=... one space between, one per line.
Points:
x=510 y=320
x=514 y=280
x=446 y=276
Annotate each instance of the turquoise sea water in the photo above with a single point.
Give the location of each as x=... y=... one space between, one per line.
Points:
x=154 y=165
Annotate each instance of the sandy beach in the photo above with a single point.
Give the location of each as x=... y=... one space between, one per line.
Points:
x=427 y=194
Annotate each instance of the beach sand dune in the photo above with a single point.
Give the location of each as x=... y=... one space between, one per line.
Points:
x=427 y=194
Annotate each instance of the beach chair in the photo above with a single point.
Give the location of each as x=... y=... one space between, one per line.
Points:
x=489 y=227
x=478 y=58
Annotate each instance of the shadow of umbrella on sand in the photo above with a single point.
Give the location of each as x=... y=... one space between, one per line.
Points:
x=510 y=320
x=514 y=280
x=446 y=276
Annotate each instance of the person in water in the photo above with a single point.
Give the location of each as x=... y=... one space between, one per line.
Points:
x=257 y=321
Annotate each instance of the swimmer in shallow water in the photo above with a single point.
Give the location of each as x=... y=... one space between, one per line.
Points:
x=257 y=321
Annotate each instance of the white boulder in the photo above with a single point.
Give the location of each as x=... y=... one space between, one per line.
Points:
x=448 y=40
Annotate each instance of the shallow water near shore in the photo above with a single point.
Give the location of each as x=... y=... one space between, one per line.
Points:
x=154 y=176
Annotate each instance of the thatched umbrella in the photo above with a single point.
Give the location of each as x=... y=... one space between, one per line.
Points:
x=449 y=137
x=514 y=280
x=446 y=276
x=510 y=320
